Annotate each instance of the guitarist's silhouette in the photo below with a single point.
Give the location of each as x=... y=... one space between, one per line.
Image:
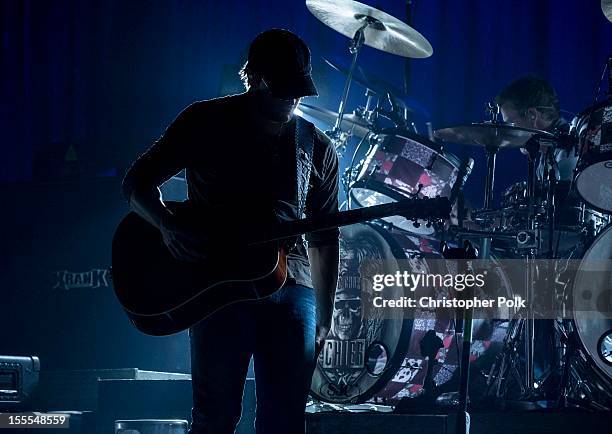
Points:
x=250 y=157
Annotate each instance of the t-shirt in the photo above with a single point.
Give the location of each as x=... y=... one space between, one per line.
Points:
x=231 y=163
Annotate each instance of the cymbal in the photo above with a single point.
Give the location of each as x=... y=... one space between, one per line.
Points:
x=387 y=33
x=606 y=7
x=379 y=86
x=350 y=122
x=490 y=135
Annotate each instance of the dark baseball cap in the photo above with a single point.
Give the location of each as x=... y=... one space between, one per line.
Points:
x=283 y=60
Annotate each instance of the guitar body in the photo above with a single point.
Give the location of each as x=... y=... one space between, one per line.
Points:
x=162 y=295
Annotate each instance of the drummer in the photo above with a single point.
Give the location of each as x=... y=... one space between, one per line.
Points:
x=531 y=102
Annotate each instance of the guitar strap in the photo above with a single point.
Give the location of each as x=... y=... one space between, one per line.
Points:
x=304 y=145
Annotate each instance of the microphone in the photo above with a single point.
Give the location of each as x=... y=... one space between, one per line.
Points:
x=464 y=172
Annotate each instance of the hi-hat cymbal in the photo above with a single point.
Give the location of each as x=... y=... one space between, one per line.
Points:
x=350 y=122
x=490 y=135
x=606 y=7
x=387 y=33
x=379 y=86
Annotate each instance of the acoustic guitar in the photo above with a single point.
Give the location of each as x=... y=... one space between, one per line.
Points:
x=162 y=295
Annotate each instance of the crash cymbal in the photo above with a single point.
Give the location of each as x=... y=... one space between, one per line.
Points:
x=606 y=7
x=379 y=86
x=490 y=135
x=358 y=126
x=386 y=32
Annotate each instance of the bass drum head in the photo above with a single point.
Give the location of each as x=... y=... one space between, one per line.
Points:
x=488 y=337
x=592 y=296
x=361 y=354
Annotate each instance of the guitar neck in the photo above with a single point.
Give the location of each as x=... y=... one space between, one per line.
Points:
x=409 y=208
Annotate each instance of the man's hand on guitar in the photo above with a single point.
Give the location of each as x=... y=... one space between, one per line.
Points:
x=184 y=242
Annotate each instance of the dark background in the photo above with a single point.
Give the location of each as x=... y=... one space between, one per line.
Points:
x=102 y=79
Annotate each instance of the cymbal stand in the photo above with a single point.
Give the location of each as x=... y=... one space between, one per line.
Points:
x=507 y=362
x=532 y=146
x=485 y=244
x=354 y=48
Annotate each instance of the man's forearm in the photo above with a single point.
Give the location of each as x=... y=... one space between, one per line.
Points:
x=324 y=271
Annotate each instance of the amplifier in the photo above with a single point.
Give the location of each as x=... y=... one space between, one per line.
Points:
x=18 y=378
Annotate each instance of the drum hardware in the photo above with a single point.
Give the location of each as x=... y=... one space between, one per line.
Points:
x=493 y=136
x=586 y=373
x=528 y=239
x=349 y=173
x=579 y=385
x=493 y=110
x=367 y=112
x=381 y=88
x=528 y=242
x=352 y=124
x=354 y=48
x=550 y=174
x=523 y=239
x=357 y=41
x=465 y=170
x=376 y=89
x=466 y=252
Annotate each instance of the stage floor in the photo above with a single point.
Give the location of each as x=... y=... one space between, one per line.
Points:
x=537 y=422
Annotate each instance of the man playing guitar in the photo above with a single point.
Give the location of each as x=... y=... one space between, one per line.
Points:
x=241 y=154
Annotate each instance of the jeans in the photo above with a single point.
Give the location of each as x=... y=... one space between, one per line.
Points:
x=279 y=332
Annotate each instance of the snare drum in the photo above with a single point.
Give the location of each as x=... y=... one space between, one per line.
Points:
x=400 y=166
x=594 y=169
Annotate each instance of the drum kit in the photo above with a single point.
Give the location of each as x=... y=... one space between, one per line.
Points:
x=384 y=360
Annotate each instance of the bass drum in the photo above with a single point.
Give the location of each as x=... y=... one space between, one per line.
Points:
x=488 y=336
x=592 y=297
x=361 y=353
